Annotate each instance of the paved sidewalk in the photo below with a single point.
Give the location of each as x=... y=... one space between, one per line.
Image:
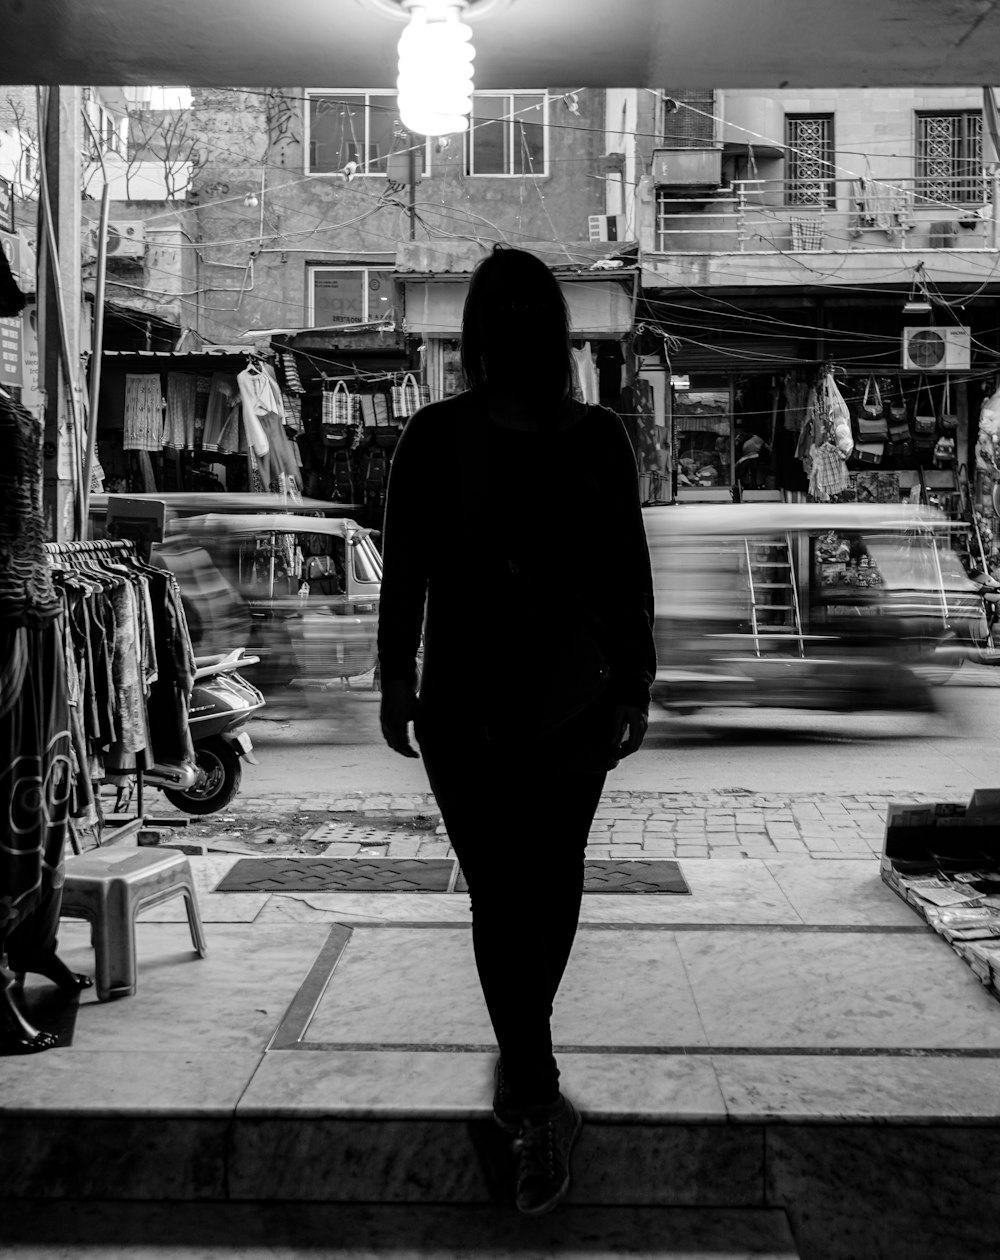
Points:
x=627 y=824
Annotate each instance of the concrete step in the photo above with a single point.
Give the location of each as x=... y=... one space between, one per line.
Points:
x=222 y=1231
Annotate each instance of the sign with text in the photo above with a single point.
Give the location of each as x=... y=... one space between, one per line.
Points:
x=6 y=205
x=10 y=325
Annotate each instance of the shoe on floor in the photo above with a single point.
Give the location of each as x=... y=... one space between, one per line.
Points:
x=543 y=1147
x=506 y=1115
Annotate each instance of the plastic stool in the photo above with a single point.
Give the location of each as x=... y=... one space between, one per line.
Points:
x=109 y=887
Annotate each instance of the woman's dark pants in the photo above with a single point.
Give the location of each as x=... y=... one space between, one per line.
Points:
x=519 y=827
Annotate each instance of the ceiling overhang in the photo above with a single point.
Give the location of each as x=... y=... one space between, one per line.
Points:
x=530 y=43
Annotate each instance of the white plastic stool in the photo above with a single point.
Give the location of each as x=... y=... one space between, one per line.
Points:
x=109 y=887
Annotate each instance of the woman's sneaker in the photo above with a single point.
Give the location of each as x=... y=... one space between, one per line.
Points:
x=543 y=1147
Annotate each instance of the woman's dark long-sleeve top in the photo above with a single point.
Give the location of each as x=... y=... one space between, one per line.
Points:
x=565 y=505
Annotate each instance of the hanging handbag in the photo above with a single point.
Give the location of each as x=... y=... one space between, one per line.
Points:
x=408 y=397
x=925 y=418
x=872 y=426
x=949 y=418
x=338 y=420
x=869 y=453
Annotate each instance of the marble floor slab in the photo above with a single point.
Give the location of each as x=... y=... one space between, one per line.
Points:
x=836 y=989
x=214 y=908
x=252 y=1231
x=116 y=1081
x=363 y=908
x=844 y=892
x=845 y=1089
x=721 y=892
x=395 y=1084
x=414 y=987
x=230 y=1001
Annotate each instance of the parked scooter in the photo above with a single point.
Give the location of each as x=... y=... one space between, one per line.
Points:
x=222 y=702
x=987 y=651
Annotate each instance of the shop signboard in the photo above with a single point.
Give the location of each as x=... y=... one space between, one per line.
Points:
x=10 y=325
x=6 y=205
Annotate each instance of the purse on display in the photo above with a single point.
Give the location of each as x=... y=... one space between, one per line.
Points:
x=871 y=422
x=339 y=419
x=408 y=397
x=949 y=418
x=869 y=453
x=925 y=419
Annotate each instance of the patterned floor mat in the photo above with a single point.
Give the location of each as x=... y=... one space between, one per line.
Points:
x=430 y=875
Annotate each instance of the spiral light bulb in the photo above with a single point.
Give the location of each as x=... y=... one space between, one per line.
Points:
x=435 y=70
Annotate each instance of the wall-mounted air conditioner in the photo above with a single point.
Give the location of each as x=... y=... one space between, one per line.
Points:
x=937 y=349
x=687 y=168
x=126 y=239
x=607 y=227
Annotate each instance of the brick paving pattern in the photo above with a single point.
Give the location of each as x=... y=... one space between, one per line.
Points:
x=719 y=825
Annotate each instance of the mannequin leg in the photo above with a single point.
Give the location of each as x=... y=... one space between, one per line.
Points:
x=31 y=946
x=15 y=1031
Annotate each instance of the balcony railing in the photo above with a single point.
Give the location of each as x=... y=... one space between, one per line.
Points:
x=775 y=215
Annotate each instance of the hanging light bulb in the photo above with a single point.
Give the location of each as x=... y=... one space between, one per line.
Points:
x=435 y=68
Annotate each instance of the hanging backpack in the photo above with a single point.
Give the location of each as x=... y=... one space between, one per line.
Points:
x=343 y=477
x=376 y=468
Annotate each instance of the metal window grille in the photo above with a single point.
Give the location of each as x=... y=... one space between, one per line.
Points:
x=692 y=128
x=950 y=157
x=809 y=165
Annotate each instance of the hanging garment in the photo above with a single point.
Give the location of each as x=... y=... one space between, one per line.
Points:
x=178 y=432
x=588 y=388
x=260 y=398
x=222 y=417
x=35 y=779
x=143 y=412
x=27 y=596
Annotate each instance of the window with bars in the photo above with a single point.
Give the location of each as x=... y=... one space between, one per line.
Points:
x=360 y=127
x=950 y=157
x=692 y=124
x=810 y=173
x=508 y=135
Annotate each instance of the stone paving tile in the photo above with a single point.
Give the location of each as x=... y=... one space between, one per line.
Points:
x=814 y=826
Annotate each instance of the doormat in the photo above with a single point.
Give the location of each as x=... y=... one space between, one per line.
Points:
x=322 y=874
x=428 y=875
x=624 y=875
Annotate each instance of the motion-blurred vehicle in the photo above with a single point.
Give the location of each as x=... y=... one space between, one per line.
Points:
x=305 y=591
x=839 y=607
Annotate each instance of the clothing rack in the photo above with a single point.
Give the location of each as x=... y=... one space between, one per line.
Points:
x=90 y=546
x=124 y=826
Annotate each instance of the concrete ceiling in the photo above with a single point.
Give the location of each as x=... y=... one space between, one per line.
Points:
x=531 y=43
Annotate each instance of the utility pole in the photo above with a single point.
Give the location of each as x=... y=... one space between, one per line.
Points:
x=59 y=295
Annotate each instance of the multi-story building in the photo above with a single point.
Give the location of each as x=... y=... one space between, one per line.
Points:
x=782 y=236
x=318 y=232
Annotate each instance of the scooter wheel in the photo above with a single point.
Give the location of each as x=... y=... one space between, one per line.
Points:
x=223 y=772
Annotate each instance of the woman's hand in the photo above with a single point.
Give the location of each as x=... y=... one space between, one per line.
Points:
x=398 y=710
x=633 y=721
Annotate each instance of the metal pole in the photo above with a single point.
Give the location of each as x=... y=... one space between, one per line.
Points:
x=413 y=185
x=96 y=351
x=995 y=221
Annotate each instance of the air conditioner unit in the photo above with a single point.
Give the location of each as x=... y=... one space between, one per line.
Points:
x=607 y=227
x=937 y=349
x=126 y=239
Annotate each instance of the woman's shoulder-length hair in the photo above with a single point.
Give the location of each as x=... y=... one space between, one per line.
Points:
x=515 y=325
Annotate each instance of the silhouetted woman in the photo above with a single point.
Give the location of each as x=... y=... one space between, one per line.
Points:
x=513 y=526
